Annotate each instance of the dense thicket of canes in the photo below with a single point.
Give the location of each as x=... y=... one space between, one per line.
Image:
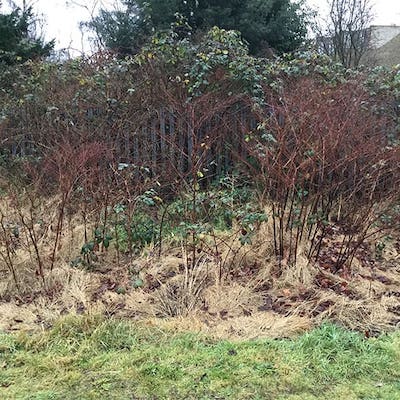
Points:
x=316 y=142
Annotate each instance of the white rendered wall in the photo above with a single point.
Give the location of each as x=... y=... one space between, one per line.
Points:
x=384 y=34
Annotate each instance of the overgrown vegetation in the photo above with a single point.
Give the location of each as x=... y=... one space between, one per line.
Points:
x=280 y=176
x=195 y=188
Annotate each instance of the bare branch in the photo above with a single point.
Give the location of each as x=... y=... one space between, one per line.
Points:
x=346 y=34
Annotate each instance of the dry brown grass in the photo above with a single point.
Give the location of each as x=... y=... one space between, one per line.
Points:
x=232 y=300
x=259 y=325
x=252 y=301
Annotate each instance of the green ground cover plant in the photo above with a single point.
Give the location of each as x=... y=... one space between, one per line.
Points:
x=90 y=358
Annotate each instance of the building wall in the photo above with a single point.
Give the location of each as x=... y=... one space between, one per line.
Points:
x=380 y=35
x=383 y=48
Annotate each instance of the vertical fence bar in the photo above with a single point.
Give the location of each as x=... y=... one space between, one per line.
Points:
x=162 y=133
x=154 y=152
x=144 y=155
x=127 y=152
x=172 y=137
x=190 y=152
x=136 y=147
x=181 y=146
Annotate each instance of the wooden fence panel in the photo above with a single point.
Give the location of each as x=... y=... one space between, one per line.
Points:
x=168 y=142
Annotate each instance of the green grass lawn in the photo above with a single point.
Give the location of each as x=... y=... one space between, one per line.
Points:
x=91 y=358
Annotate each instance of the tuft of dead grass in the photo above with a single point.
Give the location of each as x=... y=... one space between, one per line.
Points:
x=232 y=300
x=363 y=315
x=180 y=296
x=258 y=326
x=14 y=317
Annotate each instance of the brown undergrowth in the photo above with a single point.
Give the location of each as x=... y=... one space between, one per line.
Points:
x=150 y=206
x=254 y=299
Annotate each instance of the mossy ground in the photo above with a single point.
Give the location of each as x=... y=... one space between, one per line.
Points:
x=93 y=358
